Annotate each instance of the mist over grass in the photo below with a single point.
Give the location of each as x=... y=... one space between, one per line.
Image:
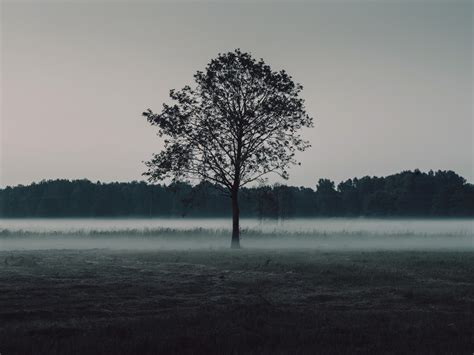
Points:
x=209 y=238
x=319 y=225
x=125 y=287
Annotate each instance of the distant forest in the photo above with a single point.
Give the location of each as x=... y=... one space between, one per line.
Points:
x=409 y=193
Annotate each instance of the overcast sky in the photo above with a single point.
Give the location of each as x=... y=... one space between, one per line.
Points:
x=390 y=83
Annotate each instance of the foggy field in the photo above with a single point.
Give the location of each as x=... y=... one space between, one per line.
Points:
x=214 y=233
x=161 y=240
x=272 y=301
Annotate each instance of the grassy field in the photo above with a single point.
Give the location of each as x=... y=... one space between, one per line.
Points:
x=226 y=301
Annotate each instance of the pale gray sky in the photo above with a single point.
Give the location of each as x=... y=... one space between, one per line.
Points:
x=390 y=83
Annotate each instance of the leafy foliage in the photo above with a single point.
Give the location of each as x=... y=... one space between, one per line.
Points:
x=239 y=122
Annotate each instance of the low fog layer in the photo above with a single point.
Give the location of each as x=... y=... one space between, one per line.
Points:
x=166 y=239
x=214 y=233
x=299 y=225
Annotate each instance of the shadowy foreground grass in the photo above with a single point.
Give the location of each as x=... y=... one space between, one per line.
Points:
x=227 y=301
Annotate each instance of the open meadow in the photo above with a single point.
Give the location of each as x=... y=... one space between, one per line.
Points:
x=257 y=300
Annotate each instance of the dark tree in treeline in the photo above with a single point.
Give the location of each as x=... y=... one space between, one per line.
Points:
x=240 y=122
x=410 y=193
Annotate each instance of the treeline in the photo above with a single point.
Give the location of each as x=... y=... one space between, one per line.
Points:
x=409 y=193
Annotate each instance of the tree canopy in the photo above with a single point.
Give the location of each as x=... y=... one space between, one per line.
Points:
x=238 y=123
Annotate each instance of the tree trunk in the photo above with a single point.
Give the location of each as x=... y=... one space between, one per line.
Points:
x=235 y=244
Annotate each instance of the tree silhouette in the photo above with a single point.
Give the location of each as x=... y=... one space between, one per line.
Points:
x=238 y=123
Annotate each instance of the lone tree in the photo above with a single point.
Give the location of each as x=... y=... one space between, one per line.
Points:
x=239 y=122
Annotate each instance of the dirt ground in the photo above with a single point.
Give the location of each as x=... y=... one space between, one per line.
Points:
x=236 y=301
